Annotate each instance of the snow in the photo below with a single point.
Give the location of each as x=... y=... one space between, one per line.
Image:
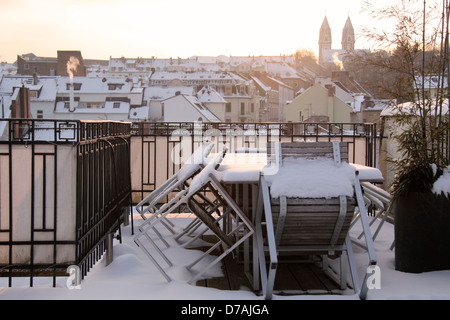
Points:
x=198 y=158
x=239 y=173
x=411 y=108
x=312 y=178
x=203 y=177
x=108 y=107
x=208 y=94
x=368 y=173
x=138 y=113
x=162 y=93
x=442 y=184
x=132 y=276
x=242 y=167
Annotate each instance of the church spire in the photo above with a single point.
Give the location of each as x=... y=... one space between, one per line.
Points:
x=348 y=36
x=324 y=38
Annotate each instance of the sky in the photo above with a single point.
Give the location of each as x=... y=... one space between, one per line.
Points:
x=101 y=29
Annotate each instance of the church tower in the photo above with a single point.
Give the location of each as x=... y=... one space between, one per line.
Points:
x=348 y=36
x=324 y=38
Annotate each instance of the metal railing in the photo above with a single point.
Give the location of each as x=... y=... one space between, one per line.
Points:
x=156 y=152
x=64 y=186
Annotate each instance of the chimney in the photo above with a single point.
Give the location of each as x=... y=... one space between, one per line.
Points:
x=331 y=90
x=35 y=77
x=72 y=99
x=330 y=106
x=341 y=76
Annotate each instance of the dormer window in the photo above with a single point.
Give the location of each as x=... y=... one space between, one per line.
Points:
x=115 y=86
x=76 y=86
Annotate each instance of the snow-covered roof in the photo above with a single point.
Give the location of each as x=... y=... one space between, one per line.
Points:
x=5 y=112
x=201 y=108
x=432 y=82
x=45 y=86
x=97 y=85
x=261 y=60
x=281 y=69
x=261 y=84
x=378 y=105
x=408 y=108
x=198 y=106
x=280 y=83
x=162 y=93
x=198 y=75
x=208 y=94
x=7 y=68
x=109 y=107
x=140 y=113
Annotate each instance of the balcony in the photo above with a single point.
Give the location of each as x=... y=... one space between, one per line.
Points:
x=67 y=186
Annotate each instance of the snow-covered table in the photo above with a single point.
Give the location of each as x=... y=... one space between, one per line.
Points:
x=247 y=168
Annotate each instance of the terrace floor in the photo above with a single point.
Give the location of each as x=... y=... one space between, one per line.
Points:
x=295 y=275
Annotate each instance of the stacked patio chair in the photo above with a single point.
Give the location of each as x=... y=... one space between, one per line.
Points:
x=213 y=208
x=379 y=201
x=308 y=225
x=176 y=183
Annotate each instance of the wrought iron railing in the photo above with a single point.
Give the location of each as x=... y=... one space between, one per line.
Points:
x=64 y=185
x=156 y=154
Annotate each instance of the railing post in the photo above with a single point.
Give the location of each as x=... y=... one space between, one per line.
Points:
x=126 y=216
x=109 y=248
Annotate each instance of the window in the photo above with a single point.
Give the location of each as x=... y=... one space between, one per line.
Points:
x=26 y=66
x=228 y=107
x=242 y=108
x=40 y=114
x=115 y=86
x=252 y=107
x=116 y=105
x=76 y=86
x=95 y=105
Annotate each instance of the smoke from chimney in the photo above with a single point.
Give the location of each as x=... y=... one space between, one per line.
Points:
x=72 y=66
x=336 y=61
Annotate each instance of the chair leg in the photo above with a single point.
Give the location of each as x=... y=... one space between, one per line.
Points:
x=158 y=266
x=352 y=264
x=343 y=274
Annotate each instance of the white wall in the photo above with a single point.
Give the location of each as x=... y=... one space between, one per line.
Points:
x=21 y=192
